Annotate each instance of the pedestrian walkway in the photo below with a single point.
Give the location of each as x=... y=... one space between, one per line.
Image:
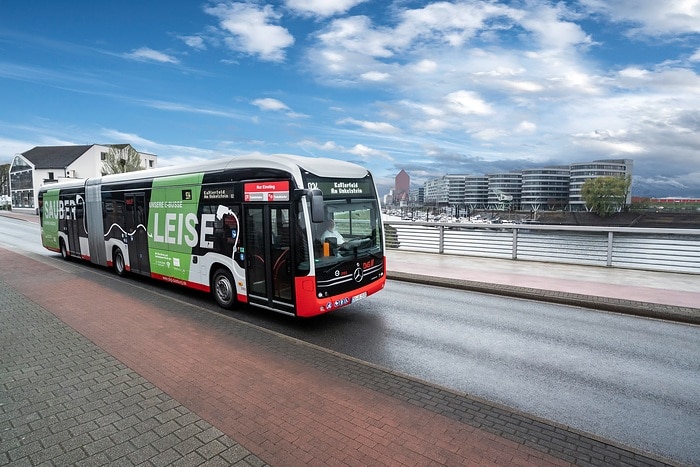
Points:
x=93 y=374
x=65 y=401
x=663 y=295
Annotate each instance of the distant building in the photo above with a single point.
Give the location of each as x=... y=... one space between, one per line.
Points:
x=580 y=172
x=545 y=189
x=416 y=196
x=445 y=190
x=476 y=191
x=402 y=187
x=675 y=199
x=50 y=164
x=505 y=190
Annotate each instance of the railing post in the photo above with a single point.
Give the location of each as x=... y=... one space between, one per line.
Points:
x=514 y=253
x=441 y=247
x=610 y=248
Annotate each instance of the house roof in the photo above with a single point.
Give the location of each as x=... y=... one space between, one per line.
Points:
x=52 y=157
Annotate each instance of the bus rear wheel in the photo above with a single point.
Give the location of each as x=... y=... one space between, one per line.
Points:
x=118 y=262
x=223 y=289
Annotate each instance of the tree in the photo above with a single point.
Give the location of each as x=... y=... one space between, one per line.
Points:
x=606 y=195
x=121 y=159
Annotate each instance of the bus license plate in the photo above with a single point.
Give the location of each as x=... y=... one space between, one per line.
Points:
x=359 y=297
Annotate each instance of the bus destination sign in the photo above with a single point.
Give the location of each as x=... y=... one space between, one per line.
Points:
x=267 y=191
x=342 y=188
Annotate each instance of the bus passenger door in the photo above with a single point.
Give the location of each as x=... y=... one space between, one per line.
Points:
x=73 y=223
x=268 y=260
x=135 y=221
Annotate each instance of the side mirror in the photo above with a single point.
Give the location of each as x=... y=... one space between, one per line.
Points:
x=317 y=212
x=315 y=197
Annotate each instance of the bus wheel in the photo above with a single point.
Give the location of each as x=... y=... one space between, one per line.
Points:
x=118 y=262
x=64 y=250
x=223 y=289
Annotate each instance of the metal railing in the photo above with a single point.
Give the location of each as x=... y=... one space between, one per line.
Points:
x=670 y=250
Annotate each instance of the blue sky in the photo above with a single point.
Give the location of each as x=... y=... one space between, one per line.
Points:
x=430 y=87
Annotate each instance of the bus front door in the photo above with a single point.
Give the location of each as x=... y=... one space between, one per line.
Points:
x=269 y=263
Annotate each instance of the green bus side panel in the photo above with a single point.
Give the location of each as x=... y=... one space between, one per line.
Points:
x=49 y=229
x=173 y=225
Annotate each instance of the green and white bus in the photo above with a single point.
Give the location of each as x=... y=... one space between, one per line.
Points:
x=249 y=229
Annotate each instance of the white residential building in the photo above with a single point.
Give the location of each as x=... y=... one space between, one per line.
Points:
x=50 y=164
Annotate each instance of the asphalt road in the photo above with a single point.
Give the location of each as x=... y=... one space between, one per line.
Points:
x=632 y=380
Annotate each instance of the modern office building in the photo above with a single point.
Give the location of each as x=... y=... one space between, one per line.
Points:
x=580 y=172
x=416 y=196
x=545 y=189
x=445 y=190
x=504 y=190
x=476 y=191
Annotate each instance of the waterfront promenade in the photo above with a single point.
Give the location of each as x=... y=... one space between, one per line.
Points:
x=94 y=375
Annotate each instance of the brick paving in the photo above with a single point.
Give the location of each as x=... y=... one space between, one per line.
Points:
x=64 y=401
x=97 y=375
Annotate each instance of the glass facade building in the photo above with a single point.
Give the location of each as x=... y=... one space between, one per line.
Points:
x=546 y=188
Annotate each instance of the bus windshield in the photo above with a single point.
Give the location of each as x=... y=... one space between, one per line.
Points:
x=352 y=229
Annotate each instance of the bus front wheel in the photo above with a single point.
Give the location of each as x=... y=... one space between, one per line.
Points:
x=119 y=263
x=223 y=289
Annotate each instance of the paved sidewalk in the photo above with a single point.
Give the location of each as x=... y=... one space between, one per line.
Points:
x=94 y=375
x=663 y=295
x=65 y=401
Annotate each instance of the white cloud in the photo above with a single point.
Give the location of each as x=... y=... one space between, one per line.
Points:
x=425 y=66
x=526 y=127
x=467 y=103
x=356 y=34
x=322 y=8
x=131 y=138
x=366 y=152
x=551 y=31
x=523 y=86
x=437 y=23
x=180 y=107
x=432 y=125
x=375 y=127
x=196 y=42
x=270 y=104
x=274 y=105
x=489 y=134
x=651 y=18
x=250 y=30
x=450 y=23
x=613 y=148
x=146 y=54
x=327 y=146
x=375 y=76
x=10 y=146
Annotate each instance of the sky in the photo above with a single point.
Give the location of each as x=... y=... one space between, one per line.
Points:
x=431 y=87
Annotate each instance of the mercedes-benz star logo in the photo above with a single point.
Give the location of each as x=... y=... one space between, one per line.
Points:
x=358 y=275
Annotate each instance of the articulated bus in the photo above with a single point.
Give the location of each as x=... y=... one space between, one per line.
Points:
x=249 y=229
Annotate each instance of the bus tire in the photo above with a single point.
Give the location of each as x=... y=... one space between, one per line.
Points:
x=64 y=251
x=223 y=289
x=118 y=262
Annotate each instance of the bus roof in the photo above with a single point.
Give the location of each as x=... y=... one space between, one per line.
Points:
x=324 y=167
